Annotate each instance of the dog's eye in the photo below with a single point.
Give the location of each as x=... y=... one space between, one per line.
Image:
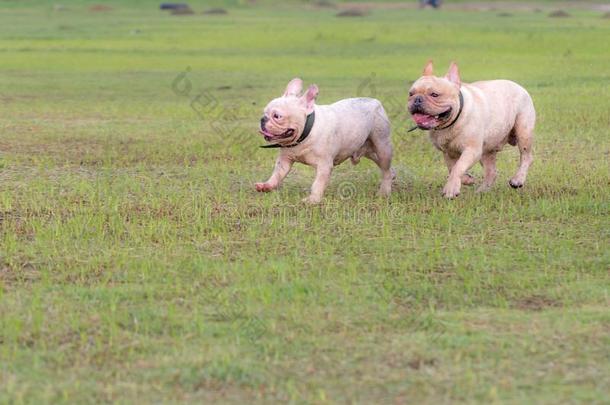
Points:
x=435 y=95
x=411 y=94
x=276 y=116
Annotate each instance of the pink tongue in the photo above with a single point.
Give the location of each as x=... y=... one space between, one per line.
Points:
x=424 y=120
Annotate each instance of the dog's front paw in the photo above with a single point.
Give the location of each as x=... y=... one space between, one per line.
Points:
x=452 y=189
x=385 y=190
x=263 y=187
x=516 y=182
x=312 y=200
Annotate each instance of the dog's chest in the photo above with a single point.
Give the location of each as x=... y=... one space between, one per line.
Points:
x=443 y=141
x=306 y=156
x=313 y=156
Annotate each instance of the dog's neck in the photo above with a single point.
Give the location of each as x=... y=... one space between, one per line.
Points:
x=457 y=116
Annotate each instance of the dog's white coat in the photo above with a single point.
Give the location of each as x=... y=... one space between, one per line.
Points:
x=495 y=112
x=349 y=128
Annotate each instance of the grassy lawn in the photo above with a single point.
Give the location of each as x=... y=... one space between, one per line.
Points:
x=138 y=264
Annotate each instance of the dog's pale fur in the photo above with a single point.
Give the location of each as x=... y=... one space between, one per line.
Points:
x=349 y=128
x=495 y=112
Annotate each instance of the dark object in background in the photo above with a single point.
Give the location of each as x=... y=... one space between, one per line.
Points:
x=559 y=14
x=99 y=8
x=325 y=3
x=215 y=11
x=353 y=12
x=183 y=11
x=433 y=3
x=177 y=8
x=173 y=6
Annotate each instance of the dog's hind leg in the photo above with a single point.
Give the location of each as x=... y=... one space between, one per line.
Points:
x=361 y=152
x=524 y=135
x=381 y=154
x=488 y=161
x=381 y=151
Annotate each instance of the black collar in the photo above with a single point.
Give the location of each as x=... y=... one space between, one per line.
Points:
x=452 y=122
x=308 y=125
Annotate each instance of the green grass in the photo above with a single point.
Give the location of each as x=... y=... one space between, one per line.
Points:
x=137 y=264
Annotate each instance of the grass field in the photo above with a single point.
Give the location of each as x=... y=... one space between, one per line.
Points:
x=138 y=264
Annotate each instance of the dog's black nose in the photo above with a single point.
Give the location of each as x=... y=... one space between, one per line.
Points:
x=418 y=100
x=263 y=122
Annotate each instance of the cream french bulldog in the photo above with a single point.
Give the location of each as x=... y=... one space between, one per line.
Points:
x=324 y=136
x=473 y=122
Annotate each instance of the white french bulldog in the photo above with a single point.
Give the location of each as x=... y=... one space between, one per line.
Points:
x=471 y=122
x=324 y=136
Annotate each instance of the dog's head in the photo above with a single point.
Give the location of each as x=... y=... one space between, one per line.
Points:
x=284 y=118
x=435 y=101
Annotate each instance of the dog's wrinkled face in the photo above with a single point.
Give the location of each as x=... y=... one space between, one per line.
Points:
x=284 y=118
x=434 y=101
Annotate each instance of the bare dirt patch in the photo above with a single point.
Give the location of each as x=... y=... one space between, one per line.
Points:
x=18 y=273
x=216 y=11
x=182 y=11
x=559 y=14
x=325 y=4
x=419 y=362
x=354 y=12
x=536 y=303
x=478 y=6
x=364 y=6
x=100 y=8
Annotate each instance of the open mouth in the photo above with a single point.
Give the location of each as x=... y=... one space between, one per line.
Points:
x=427 y=121
x=269 y=136
x=444 y=115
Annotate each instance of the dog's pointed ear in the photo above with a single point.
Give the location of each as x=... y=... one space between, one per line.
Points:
x=428 y=69
x=294 y=88
x=453 y=75
x=309 y=98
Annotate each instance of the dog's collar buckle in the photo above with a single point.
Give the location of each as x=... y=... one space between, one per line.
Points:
x=306 y=130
